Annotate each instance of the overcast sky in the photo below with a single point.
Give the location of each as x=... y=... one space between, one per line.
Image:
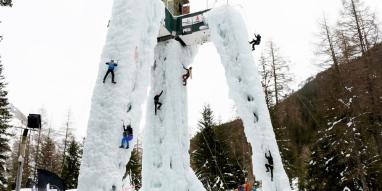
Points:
x=51 y=50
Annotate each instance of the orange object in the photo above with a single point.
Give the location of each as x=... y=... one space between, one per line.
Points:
x=185 y=9
x=246 y=186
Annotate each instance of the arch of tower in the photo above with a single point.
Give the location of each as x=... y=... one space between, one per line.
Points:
x=147 y=65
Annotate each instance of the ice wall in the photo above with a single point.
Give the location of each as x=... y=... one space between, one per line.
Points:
x=229 y=34
x=131 y=40
x=166 y=162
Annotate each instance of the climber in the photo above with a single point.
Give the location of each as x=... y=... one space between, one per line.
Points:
x=254 y=186
x=256 y=117
x=127 y=135
x=110 y=69
x=255 y=41
x=157 y=104
x=187 y=75
x=269 y=166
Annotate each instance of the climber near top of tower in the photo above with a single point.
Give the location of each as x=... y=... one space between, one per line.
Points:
x=187 y=75
x=255 y=41
x=110 y=69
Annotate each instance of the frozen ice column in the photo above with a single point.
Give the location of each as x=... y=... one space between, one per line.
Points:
x=130 y=41
x=229 y=34
x=166 y=162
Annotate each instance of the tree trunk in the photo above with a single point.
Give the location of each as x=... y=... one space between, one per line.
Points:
x=274 y=74
x=265 y=83
x=332 y=52
x=357 y=20
x=65 y=142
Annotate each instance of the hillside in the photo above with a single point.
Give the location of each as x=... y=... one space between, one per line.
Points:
x=355 y=94
x=324 y=101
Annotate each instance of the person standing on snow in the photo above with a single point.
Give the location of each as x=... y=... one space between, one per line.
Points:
x=127 y=135
x=157 y=104
x=187 y=75
x=269 y=166
x=255 y=41
x=254 y=186
x=110 y=69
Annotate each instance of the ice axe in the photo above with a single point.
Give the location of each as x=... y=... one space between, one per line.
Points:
x=116 y=61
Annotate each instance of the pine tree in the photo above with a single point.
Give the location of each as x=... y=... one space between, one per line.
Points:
x=67 y=135
x=48 y=157
x=134 y=168
x=71 y=168
x=12 y=165
x=284 y=143
x=4 y=135
x=202 y=158
x=213 y=163
x=343 y=156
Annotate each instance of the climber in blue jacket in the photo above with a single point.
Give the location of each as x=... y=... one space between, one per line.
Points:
x=110 y=69
x=127 y=135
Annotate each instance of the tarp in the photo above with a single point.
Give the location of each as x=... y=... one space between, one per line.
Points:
x=45 y=177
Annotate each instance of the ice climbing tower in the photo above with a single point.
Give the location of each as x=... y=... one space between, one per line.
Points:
x=152 y=43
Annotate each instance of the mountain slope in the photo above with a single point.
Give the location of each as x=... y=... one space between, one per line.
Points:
x=323 y=101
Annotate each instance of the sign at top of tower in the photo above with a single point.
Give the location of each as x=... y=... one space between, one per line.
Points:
x=193 y=20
